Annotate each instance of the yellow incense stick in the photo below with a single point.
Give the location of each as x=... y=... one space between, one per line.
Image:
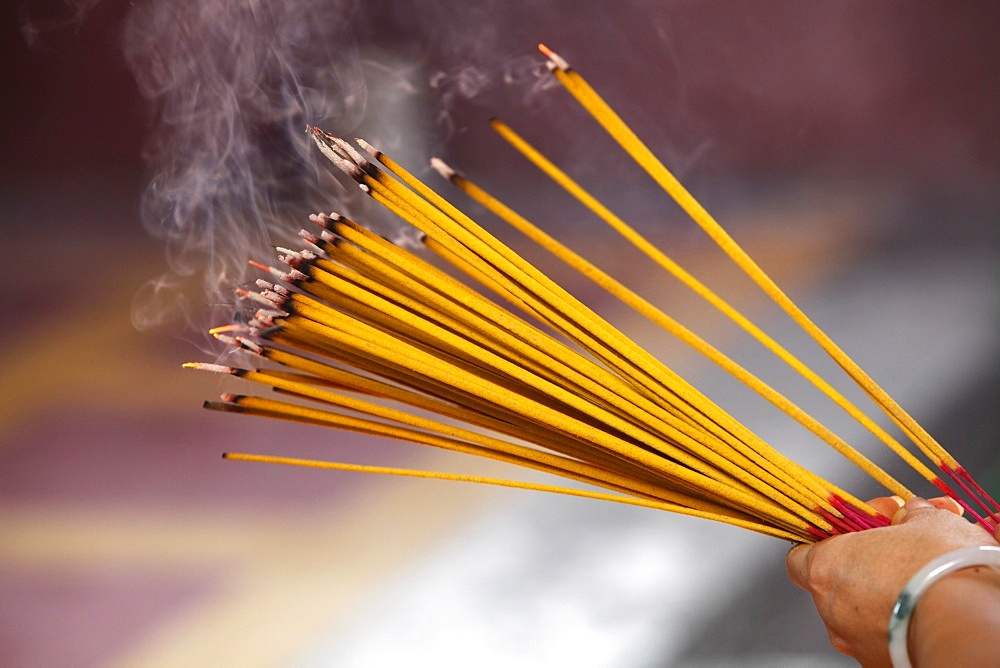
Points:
x=656 y=315
x=336 y=466
x=405 y=201
x=368 y=337
x=613 y=124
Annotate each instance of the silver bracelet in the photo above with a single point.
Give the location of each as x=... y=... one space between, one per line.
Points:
x=899 y=623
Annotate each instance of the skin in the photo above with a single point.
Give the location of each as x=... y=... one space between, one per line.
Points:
x=854 y=580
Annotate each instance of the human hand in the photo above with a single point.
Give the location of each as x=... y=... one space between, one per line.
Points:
x=855 y=578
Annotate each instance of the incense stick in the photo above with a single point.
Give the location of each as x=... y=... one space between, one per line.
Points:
x=361 y=335
x=645 y=308
x=612 y=123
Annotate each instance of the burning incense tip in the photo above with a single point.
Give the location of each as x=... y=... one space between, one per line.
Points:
x=326 y=220
x=249 y=345
x=333 y=149
x=277 y=273
x=443 y=169
x=289 y=252
x=214 y=368
x=271 y=299
x=264 y=329
x=554 y=58
x=235 y=327
x=309 y=237
x=269 y=314
x=257 y=297
x=374 y=152
x=352 y=153
x=293 y=260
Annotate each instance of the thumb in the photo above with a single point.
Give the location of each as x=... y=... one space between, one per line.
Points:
x=912 y=506
x=797 y=565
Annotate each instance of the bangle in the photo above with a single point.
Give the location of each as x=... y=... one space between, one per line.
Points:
x=899 y=623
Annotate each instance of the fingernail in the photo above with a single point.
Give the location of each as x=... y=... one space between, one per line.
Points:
x=900 y=514
x=795 y=565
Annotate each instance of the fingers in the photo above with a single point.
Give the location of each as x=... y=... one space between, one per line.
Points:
x=887 y=505
x=890 y=505
x=798 y=563
x=912 y=507
x=947 y=503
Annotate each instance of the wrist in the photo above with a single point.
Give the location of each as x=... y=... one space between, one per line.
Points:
x=956 y=620
x=949 y=609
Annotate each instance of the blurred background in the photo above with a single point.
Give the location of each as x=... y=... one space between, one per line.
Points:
x=150 y=148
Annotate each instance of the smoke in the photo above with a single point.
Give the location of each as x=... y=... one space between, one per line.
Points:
x=233 y=84
x=34 y=22
x=525 y=73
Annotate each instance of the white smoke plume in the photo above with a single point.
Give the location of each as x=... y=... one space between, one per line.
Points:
x=233 y=84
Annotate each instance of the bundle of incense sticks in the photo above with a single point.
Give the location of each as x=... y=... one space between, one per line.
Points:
x=366 y=336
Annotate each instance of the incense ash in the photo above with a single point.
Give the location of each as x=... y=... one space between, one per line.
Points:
x=363 y=335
